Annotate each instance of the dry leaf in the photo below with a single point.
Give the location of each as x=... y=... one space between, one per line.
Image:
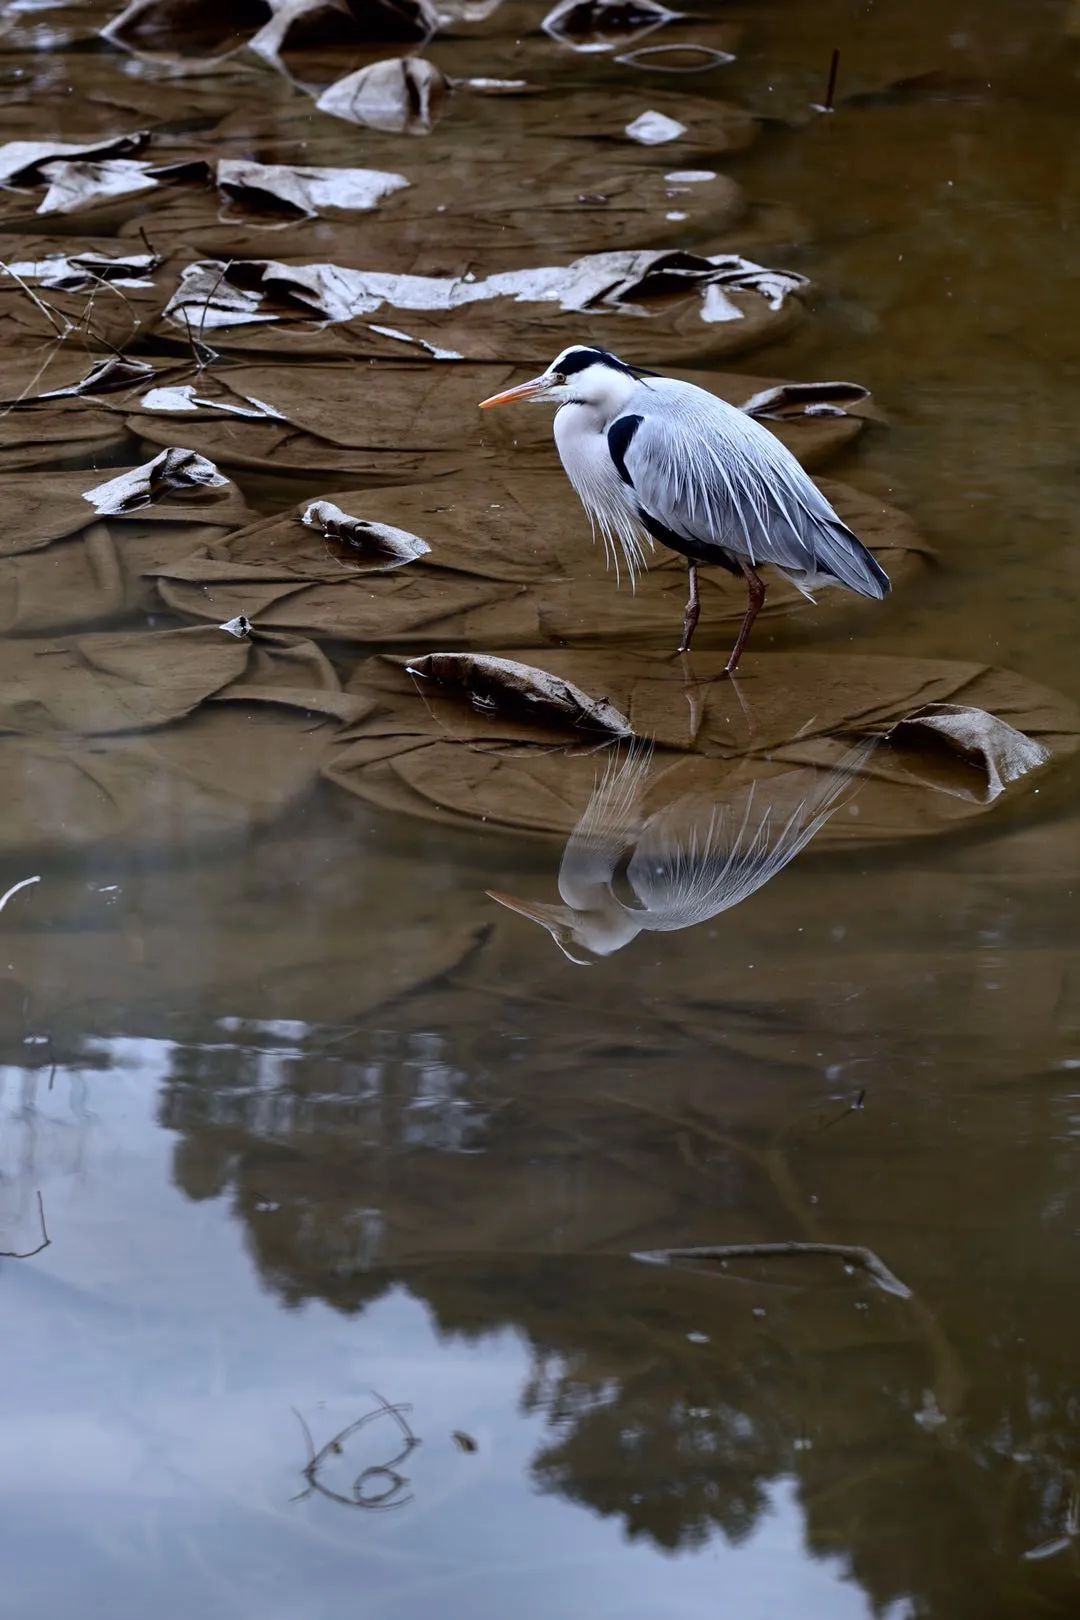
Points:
x=289 y=189
x=502 y=685
x=24 y=163
x=401 y=96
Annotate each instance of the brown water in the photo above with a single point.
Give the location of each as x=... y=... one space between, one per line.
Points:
x=311 y=1117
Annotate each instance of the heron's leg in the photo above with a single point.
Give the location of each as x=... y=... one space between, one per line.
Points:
x=756 y=587
x=692 y=614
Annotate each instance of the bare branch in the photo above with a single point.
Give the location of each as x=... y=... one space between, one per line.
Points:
x=15 y=1254
x=853 y=1254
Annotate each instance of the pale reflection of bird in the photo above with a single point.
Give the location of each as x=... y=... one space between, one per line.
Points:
x=656 y=459
x=696 y=857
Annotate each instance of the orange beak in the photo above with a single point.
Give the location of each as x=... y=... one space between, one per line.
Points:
x=517 y=396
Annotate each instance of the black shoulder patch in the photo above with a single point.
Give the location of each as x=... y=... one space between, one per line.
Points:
x=619 y=436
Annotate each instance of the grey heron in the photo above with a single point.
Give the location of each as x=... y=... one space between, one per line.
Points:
x=652 y=458
x=692 y=858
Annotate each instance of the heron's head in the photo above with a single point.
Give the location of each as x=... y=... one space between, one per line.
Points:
x=597 y=933
x=578 y=376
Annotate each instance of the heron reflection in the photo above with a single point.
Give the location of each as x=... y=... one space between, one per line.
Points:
x=624 y=872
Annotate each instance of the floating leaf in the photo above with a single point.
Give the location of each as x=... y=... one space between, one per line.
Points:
x=24 y=163
x=655 y=129
x=505 y=686
x=381 y=542
x=997 y=751
x=402 y=96
x=287 y=188
x=171 y=473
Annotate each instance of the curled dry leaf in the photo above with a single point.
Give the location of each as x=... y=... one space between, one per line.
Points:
x=82 y=184
x=26 y=163
x=179 y=398
x=391 y=547
x=402 y=96
x=447 y=762
x=729 y=301
x=996 y=750
x=788 y=400
x=82 y=272
x=603 y=25
x=285 y=188
x=172 y=472
x=57 y=371
x=503 y=685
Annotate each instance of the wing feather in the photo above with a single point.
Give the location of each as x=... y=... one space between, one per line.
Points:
x=714 y=477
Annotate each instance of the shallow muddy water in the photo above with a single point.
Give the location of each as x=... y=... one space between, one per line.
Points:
x=333 y=1188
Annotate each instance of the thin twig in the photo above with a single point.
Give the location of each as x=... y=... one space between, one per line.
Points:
x=48 y=312
x=381 y=1499
x=834 y=68
x=853 y=1253
x=15 y=887
x=14 y=1254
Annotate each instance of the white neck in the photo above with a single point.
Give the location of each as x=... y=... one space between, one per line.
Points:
x=599 y=394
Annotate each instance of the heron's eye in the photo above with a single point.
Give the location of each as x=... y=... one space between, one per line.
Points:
x=559 y=379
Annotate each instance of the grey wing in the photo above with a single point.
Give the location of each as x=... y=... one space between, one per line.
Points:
x=701 y=856
x=716 y=480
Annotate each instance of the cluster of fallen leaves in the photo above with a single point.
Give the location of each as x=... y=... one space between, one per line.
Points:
x=238 y=387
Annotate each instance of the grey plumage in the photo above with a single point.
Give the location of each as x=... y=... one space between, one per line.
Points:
x=689 y=860
x=721 y=482
x=652 y=458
